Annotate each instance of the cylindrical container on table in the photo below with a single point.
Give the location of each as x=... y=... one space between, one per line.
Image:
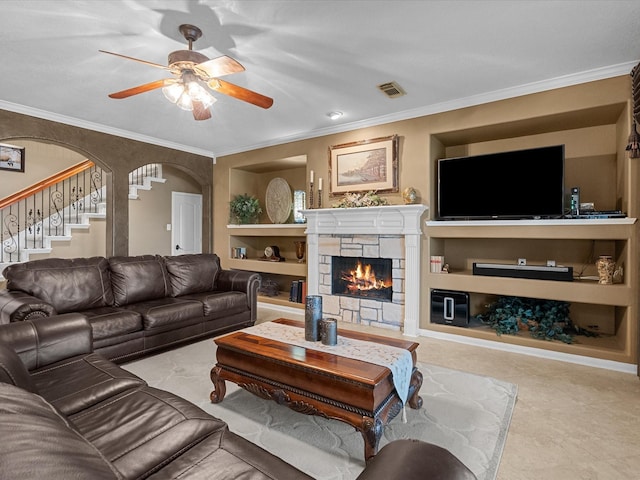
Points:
x=312 y=317
x=329 y=331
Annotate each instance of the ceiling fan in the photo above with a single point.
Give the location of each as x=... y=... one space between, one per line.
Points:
x=192 y=73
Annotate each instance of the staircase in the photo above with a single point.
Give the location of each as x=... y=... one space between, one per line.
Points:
x=34 y=219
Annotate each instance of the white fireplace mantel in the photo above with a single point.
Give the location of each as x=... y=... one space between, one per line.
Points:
x=384 y=220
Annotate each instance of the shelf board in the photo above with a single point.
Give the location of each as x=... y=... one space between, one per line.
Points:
x=614 y=229
x=266 y=230
x=605 y=347
x=288 y=267
x=577 y=291
x=282 y=299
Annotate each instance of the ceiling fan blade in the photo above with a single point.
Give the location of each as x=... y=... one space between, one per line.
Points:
x=219 y=66
x=200 y=112
x=240 y=93
x=157 y=65
x=142 y=88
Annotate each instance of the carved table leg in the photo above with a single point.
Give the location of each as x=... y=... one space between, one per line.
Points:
x=415 y=401
x=219 y=387
x=371 y=433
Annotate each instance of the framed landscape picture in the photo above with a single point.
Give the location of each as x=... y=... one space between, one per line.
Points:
x=363 y=166
x=11 y=158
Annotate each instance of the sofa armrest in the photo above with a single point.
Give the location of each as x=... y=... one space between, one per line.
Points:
x=48 y=340
x=240 y=281
x=414 y=460
x=16 y=306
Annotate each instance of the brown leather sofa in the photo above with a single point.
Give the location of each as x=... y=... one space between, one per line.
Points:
x=67 y=412
x=136 y=304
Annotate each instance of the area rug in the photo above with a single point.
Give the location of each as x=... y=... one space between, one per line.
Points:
x=465 y=413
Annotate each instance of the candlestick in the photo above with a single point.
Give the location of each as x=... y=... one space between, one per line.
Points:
x=311 y=193
x=320 y=195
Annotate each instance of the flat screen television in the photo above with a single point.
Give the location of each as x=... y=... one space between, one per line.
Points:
x=507 y=185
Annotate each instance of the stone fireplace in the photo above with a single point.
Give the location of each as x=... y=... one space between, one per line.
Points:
x=386 y=237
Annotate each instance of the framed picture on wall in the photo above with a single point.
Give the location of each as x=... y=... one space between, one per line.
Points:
x=363 y=166
x=11 y=158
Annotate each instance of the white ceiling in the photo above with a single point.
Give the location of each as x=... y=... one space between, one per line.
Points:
x=311 y=56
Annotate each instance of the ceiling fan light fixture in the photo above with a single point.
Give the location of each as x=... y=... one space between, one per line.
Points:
x=197 y=92
x=187 y=90
x=194 y=74
x=173 y=92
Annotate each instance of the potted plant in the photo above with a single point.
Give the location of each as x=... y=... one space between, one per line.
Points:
x=244 y=208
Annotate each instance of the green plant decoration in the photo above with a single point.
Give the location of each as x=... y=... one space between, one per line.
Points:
x=544 y=319
x=244 y=209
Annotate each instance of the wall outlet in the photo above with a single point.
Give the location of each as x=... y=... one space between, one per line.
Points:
x=522 y=261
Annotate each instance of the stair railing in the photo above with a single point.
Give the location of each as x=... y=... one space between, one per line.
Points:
x=137 y=176
x=45 y=208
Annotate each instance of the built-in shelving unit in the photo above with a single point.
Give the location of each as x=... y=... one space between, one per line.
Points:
x=607 y=309
x=595 y=161
x=254 y=238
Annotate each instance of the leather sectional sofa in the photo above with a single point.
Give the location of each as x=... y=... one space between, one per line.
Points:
x=136 y=304
x=69 y=413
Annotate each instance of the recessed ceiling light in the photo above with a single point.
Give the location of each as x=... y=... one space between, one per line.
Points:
x=334 y=115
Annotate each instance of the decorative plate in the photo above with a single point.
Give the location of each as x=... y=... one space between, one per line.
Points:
x=278 y=200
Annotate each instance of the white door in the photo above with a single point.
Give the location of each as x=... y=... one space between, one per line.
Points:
x=186 y=221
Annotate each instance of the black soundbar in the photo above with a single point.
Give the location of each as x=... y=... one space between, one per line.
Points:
x=536 y=272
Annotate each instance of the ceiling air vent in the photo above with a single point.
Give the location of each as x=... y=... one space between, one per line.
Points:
x=392 y=90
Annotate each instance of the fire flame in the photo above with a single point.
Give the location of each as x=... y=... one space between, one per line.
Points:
x=363 y=278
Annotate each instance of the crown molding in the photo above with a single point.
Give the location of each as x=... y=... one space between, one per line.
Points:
x=98 y=127
x=474 y=100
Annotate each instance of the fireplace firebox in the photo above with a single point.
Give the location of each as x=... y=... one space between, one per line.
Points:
x=362 y=277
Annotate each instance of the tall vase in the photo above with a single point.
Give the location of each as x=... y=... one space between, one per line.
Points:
x=606 y=266
x=300 y=248
x=312 y=317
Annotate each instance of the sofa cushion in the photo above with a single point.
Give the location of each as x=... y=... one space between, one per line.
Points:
x=13 y=371
x=39 y=443
x=80 y=382
x=192 y=273
x=167 y=311
x=112 y=321
x=69 y=285
x=220 y=304
x=141 y=430
x=138 y=279
x=225 y=455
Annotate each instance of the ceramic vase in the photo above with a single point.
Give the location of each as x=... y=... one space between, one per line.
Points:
x=300 y=249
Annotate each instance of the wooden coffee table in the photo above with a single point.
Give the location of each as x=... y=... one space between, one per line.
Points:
x=314 y=382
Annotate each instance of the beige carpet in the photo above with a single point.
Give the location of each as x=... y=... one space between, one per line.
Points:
x=467 y=414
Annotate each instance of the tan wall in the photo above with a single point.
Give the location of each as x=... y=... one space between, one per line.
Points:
x=117 y=156
x=151 y=212
x=41 y=161
x=592 y=119
x=514 y=123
